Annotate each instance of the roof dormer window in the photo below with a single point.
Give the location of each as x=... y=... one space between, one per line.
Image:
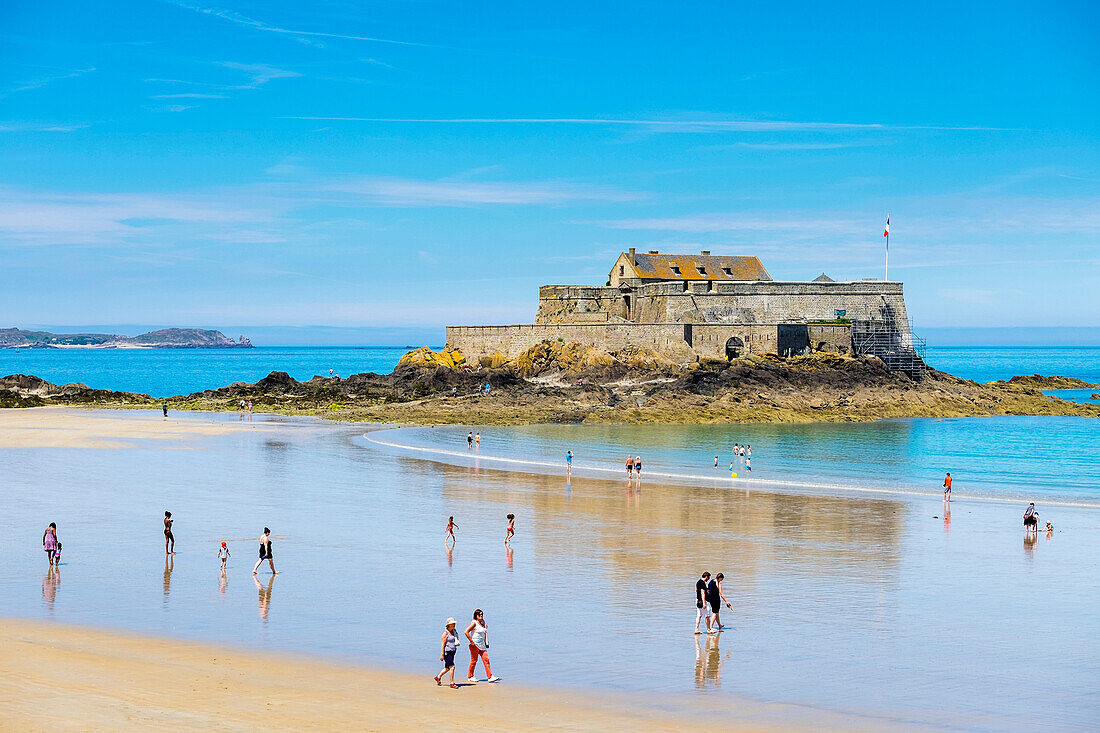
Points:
x=702 y=270
x=676 y=269
x=728 y=271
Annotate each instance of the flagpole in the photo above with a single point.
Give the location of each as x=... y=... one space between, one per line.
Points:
x=887 y=256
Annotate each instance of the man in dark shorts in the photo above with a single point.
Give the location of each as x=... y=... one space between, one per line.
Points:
x=701 y=609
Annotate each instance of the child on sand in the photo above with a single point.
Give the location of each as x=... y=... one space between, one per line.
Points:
x=223 y=555
x=447 y=647
x=451 y=527
x=511 y=531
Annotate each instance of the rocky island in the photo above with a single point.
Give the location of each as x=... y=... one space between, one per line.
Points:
x=571 y=383
x=165 y=338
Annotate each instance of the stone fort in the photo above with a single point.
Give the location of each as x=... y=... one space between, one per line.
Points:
x=703 y=306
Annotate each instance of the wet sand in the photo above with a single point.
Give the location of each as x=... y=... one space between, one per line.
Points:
x=62 y=678
x=61 y=427
x=849 y=612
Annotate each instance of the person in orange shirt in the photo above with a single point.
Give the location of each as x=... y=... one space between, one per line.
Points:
x=947 y=487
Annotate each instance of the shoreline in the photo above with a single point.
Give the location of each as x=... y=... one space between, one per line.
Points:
x=742 y=483
x=60 y=677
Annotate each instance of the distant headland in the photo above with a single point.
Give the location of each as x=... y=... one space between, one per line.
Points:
x=165 y=338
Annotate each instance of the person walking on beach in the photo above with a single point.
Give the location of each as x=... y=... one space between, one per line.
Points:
x=223 y=556
x=716 y=463
x=511 y=531
x=716 y=596
x=630 y=467
x=568 y=461
x=448 y=645
x=702 y=612
x=638 y=467
x=947 y=487
x=470 y=440
x=478 y=635
x=165 y=408
x=50 y=544
x=1031 y=518
x=169 y=538
x=451 y=527
x=477 y=441
x=250 y=411
x=266 y=553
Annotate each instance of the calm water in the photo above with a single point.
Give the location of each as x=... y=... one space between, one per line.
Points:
x=1006 y=457
x=170 y=372
x=878 y=606
x=166 y=372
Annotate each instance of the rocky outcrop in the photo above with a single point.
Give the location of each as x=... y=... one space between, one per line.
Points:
x=565 y=382
x=1038 y=381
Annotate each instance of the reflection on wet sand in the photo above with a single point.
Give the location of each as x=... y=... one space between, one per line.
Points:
x=264 y=593
x=50 y=583
x=223 y=582
x=169 y=565
x=508 y=556
x=678 y=527
x=709 y=661
x=1029 y=545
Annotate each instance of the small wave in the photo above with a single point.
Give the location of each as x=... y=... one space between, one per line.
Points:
x=548 y=468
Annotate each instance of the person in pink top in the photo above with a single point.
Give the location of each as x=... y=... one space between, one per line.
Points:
x=49 y=543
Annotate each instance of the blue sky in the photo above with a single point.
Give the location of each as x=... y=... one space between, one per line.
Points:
x=421 y=163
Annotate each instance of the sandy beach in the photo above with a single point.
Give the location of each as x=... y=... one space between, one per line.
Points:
x=590 y=606
x=60 y=427
x=62 y=678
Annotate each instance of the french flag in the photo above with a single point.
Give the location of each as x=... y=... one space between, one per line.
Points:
x=887 y=232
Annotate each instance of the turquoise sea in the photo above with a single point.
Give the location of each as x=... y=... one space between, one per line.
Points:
x=166 y=373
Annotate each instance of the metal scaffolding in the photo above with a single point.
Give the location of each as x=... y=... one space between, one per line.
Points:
x=901 y=351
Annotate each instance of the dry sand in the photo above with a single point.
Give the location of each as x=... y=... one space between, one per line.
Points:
x=62 y=678
x=60 y=427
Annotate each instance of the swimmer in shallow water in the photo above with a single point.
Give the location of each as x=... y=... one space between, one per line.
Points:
x=511 y=531
x=451 y=527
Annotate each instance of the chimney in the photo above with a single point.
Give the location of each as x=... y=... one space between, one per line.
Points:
x=631 y=253
x=705 y=252
x=653 y=252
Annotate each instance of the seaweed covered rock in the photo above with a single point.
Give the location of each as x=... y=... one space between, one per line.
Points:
x=424 y=356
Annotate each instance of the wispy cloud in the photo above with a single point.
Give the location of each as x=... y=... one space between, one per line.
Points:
x=300 y=35
x=39 y=126
x=260 y=73
x=192 y=95
x=412 y=192
x=44 y=80
x=702 y=125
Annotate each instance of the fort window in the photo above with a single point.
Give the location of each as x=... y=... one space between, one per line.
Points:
x=702 y=271
x=728 y=271
x=622 y=270
x=675 y=270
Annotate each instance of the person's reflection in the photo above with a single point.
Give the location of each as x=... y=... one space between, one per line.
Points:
x=947 y=517
x=50 y=583
x=264 y=595
x=508 y=556
x=223 y=581
x=169 y=565
x=709 y=662
x=568 y=487
x=1029 y=544
x=450 y=556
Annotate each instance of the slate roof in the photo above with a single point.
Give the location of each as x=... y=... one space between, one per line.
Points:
x=823 y=278
x=698 y=267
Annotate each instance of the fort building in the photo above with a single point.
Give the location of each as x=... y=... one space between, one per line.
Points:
x=704 y=306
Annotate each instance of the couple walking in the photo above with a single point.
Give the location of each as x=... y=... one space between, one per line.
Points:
x=709 y=598
x=477 y=635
